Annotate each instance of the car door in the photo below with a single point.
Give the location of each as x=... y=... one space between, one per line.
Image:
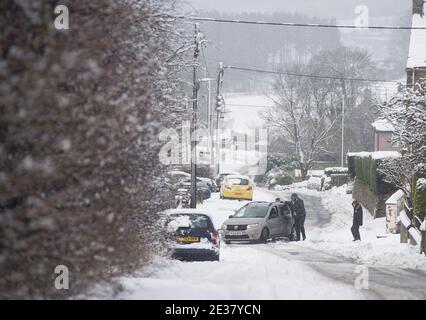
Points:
x=274 y=221
x=287 y=219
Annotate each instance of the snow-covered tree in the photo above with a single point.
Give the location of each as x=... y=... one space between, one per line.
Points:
x=406 y=112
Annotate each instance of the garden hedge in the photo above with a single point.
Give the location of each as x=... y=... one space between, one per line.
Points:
x=419 y=199
x=365 y=169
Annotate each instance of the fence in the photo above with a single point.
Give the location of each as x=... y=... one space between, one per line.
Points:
x=412 y=228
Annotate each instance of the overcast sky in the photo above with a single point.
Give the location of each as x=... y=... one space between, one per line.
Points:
x=339 y=9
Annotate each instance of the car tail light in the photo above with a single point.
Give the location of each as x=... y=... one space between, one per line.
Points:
x=249 y=188
x=215 y=236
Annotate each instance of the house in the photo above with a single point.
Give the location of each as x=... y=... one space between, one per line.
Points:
x=416 y=63
x=383 y=136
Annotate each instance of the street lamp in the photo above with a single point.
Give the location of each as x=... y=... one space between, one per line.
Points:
x=196 y=87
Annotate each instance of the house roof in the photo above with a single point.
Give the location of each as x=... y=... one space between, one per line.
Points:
x=417 y=51
x=383 y=125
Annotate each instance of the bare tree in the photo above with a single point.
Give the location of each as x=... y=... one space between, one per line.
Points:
x=305 y=114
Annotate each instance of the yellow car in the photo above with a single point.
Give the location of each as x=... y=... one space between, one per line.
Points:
x=236 y=187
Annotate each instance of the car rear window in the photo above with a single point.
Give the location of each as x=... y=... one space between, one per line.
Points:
x=192 y=221
x=239 y=181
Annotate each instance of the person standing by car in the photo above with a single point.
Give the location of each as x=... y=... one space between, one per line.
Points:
x=357 y=220
x=298 y=208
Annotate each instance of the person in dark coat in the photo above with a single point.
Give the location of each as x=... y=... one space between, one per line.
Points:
x=298 y=209
x=357 y=220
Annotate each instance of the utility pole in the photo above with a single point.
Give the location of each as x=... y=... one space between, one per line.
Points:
x=219 y=109
x=195 y=83
x=342 y=163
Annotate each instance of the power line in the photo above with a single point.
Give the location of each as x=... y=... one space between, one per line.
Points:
x=385 y=84
x=246 y=105
x=292 y=24
x=258 y=70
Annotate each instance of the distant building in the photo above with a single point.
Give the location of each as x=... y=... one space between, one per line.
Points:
x=383 y=136
x=416 y=63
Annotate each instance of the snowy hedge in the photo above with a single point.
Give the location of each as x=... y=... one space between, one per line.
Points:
x=80 y=112
x=364 y=167
x=419 y=197
x=335 y=170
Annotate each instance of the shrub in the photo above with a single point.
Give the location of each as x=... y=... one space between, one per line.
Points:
x=80 y=112
x=419 y=198
x=351 y=166
x=366 y=171
x=283 y=179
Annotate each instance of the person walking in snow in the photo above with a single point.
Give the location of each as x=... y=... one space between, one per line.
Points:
x=298 y=209
x=357 y=220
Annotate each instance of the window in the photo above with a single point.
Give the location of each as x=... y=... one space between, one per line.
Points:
x=395 y=140
x=284 y=210
x=274 y=213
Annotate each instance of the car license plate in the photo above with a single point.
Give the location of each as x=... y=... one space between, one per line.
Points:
x=235 y=233
x=188 y=239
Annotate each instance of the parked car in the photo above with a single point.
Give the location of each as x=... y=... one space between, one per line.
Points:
x=236 y=187
x=211 y=183
x=221 y=176
x=259 y=221
x=176 y=178
x=193 y=235
x=204 y=188
x=182 y=180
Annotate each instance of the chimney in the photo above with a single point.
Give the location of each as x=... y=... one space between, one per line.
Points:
x=418 y=7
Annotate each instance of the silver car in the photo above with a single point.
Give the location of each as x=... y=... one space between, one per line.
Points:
x=259 y=221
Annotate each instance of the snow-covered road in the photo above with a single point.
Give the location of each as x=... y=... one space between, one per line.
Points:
x=279 y=270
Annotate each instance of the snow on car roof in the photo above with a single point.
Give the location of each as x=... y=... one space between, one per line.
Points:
x=179 y=172
x=237 y=176
x=229 y=172
x=188 y=211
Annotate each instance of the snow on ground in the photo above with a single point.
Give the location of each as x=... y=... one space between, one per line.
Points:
x=376 y=247
x=244 y=272
x=259 y=271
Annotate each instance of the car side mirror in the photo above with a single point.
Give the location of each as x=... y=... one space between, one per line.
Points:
x=231 y=216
